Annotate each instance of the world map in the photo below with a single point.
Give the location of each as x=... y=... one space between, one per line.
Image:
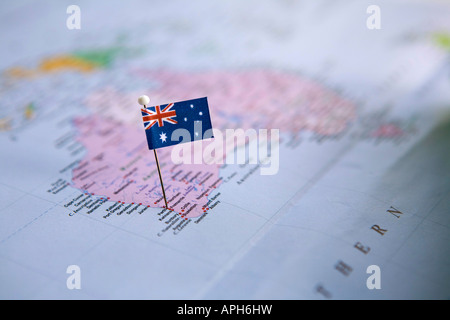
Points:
x=124 y=171
x=362 y=174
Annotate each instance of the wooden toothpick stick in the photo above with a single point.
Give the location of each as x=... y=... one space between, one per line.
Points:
x=144 y=100
x=160 y=178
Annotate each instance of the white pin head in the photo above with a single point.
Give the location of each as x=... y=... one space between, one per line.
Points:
x=143 y=100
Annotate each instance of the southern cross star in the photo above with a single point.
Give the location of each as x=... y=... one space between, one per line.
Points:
x=163 y=137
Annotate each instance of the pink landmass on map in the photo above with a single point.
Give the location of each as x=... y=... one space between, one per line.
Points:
x=388 y=130
x=120 y=167
x=118 y=164
x=259 y=99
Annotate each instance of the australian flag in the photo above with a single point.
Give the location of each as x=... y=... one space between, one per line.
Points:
x=160 y=122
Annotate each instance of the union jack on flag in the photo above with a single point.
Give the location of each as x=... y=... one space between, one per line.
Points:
x=161 y=121
x=150 y=117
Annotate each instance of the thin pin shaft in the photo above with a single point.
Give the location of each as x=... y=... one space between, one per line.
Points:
x=160 y=179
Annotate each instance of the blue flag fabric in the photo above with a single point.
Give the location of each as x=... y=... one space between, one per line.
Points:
x=161 y=121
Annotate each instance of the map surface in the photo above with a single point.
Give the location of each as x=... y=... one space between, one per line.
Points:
x=363 y=173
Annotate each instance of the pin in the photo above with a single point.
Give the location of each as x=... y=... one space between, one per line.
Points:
x=144 y=100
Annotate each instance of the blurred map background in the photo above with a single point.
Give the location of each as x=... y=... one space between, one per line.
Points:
x=364 y=120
